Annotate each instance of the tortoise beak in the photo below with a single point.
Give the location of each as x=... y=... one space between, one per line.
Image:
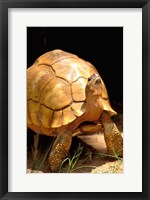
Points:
x=94 y=80
x=98 y=80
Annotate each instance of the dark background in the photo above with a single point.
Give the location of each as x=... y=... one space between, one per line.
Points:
x=102 y=46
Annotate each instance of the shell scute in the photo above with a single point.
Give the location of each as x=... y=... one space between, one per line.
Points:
x=38 y=80
x=33 y=112
x=51 y=57
x=57 y=119
x=57 y=94
x=68 y=115
x=45 y=116
x=71 y=69
x=56 y=91
x=78 y=89
x=78 y=108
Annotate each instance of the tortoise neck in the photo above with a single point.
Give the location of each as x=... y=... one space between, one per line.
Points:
x=93 y=107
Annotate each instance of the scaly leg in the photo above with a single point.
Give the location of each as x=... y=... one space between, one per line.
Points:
x=60 y=149
x=113 y=137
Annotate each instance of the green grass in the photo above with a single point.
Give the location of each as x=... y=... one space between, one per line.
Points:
x=72 y=161
x=38 y=164
x=69 y=164
x=115 y=156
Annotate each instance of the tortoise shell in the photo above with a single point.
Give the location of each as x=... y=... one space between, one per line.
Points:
x=56 y=91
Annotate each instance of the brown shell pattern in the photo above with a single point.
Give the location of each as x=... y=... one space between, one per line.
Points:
x=56 y=90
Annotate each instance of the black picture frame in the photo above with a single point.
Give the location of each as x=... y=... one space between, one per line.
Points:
x=4 y=6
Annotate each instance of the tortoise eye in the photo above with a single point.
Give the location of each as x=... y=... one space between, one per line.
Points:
x=90 y=78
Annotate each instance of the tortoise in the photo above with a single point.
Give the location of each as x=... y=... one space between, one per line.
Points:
x=67 y=97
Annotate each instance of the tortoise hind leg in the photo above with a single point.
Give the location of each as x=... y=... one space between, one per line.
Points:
x=60 y=149
x=113 y=137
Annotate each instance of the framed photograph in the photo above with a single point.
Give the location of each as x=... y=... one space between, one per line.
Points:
x=75 y=82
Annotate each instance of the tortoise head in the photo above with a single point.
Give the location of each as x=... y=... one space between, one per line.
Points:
x=94 y=85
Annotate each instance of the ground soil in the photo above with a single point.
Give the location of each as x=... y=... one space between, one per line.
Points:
x=87 y=163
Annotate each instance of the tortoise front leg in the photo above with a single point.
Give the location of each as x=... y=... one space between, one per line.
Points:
x=60 y=149
x=113 y=137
